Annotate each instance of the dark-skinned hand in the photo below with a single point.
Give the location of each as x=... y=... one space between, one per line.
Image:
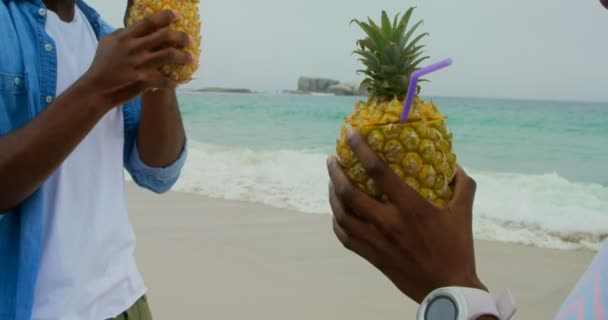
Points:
x=128 y=61
x=418 y=246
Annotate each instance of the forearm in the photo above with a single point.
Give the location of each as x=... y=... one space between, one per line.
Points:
x=161 y=137
x=29 y=155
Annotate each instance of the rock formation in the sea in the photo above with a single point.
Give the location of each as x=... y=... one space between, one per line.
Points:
x=319 y=85
x=329 y=86
x=347 y=89
x=340 y=90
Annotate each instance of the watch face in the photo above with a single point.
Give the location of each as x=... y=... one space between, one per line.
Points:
x=441 y=308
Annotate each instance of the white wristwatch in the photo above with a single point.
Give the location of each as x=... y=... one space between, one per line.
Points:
x=459 y=303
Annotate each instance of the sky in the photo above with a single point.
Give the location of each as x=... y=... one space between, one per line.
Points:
x=541 y=49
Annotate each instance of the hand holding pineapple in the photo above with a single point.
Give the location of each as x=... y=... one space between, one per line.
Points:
x=128 y=61
x=398 y=198
x=189 y=22
x=420 y=247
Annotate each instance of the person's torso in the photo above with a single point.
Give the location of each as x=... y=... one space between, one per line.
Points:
x=87 y=268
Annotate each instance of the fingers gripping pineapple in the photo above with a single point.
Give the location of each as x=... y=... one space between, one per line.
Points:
x=189 y=22
x=419 y=151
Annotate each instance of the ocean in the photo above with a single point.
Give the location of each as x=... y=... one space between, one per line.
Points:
x=541 y=166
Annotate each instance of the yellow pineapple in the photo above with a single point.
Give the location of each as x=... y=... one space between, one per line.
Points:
x=189 y=22
x=419 y=151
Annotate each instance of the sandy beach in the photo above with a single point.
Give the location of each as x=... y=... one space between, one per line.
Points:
x=204 y=258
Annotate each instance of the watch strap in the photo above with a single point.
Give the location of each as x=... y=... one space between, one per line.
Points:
x=479 y=303
x=506 y=305
x=474 y=303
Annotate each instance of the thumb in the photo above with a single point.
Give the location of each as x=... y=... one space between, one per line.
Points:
x=464 y=193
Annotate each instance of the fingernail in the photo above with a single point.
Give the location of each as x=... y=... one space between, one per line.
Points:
x=352 y=138
x=176 y=14
x=191 y=40
x=349 y=130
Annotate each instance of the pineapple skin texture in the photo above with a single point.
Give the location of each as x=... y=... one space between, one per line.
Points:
x=419 y=151
x=189 y=22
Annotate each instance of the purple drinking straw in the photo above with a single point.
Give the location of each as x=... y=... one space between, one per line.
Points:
x=411 y=90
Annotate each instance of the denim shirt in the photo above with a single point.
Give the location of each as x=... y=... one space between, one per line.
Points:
x=28 y=70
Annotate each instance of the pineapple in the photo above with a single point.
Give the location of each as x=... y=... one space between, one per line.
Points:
x=189 y=22
x=419 y=151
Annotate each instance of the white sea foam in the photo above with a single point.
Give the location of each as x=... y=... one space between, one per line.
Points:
x=285 y=179
x=541 y=210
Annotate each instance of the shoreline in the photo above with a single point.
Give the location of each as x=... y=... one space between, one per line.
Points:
x=209 y=258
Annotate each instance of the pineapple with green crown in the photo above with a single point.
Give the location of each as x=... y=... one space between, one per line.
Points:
x=419 y=151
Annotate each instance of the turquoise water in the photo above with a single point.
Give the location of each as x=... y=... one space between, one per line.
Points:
x=568 y=138
x=540 y=165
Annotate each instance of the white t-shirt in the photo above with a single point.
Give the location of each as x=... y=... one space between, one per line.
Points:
x=88 y=268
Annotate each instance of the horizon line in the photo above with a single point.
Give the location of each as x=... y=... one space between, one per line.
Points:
x=273 y=91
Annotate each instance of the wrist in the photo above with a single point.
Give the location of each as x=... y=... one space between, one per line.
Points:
x=159 y=92
x=87 y=90
x=467 y=281
x=157 y=97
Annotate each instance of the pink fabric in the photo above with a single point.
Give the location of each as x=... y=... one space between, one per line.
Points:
x=589 y=299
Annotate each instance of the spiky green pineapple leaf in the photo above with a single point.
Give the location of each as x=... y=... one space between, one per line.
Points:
x=401 y=27
x=415 y=58
x=366 y=83
x=418 y=61
x=390 y=53
x=386 y=56
x=412 y=45
x=406 y=38
x=374 y=26
x=373 y=39
x=368 y=73
x=396 y=21
x=387 y=30
x=390 y=69
x=369 y=58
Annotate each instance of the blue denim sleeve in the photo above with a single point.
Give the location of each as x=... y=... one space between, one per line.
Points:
x=158 y=180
